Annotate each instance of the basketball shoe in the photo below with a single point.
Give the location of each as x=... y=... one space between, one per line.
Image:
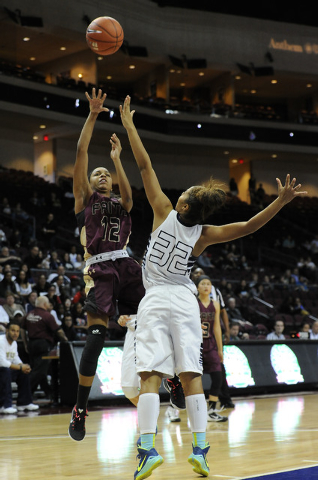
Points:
x=76 y=430
x=172 y=414
x=215 y=417
x=174 y=387
x=149 y=460
x=199 y=461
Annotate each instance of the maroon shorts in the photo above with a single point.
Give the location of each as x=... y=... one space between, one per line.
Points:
x=114 y=287
x=211 y=359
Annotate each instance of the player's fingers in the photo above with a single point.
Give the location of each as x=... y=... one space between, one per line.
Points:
x=279 y=183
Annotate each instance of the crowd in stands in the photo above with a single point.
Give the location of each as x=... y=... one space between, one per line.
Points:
x=44 y=256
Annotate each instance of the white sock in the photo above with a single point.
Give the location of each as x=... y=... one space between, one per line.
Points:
x=148 y=412
x=197 y=412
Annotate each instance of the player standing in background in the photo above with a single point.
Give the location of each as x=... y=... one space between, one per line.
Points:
x=169 y=333
x=212 y=344
x=110 y=275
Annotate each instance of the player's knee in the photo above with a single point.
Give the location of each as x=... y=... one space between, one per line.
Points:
x=93 y=347
x=130 y=392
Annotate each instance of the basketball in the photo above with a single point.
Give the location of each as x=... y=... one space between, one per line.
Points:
x=104 y=35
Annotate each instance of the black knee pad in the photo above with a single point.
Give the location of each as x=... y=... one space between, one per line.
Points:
x=92 y=350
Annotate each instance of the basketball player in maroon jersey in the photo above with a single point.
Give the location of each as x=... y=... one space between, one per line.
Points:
x=111 y=276
x=212 y=344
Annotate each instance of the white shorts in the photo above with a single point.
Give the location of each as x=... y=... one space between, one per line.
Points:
x=169 y=334
x=129 y=377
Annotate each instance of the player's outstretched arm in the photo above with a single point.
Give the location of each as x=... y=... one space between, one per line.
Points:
x=226 y=233
x=123 y=182
x=81 y=188
x=160 y=203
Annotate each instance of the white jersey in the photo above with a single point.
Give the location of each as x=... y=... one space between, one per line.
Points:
x=8 y=353
x=168 y=256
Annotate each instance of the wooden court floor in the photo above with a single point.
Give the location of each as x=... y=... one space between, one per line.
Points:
x=263 y=435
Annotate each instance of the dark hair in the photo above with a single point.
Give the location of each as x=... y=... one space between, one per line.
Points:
x=12 y=322
x=203 y=200
x=202 y=277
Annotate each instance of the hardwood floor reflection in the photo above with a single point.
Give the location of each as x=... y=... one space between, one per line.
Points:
x=263 y=435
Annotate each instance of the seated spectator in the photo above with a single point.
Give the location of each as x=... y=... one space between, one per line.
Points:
x=53 y=297
x=23 y=287
x=12 y=369
x=304 y=331
x=288 y=243
x=28 y=274
x=30 y=304
x=75 y=286
x=60 y=311
x=66 y=262
x=234 y=313
x=76 y=258
x=62 y=289
x=299 y=308
x=242 y=263
x=42 y=285
x=4 y=319
x=67 y=304
x=277 y=334
x=314 y=331
x=267 y=284
x=33 y=259
x=7 y=285
x=242 y=289
x=59 y=271
x=12 y=308
x=54 y=260
x=232 y=258
x=9 y=257
x=80 y=296
x=69 y=329
x=8 y=268
x=204 y=261
x=235 y=333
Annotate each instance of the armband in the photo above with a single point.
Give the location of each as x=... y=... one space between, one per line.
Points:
x=21 y=367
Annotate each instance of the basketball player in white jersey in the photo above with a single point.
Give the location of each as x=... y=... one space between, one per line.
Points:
x=169 y=336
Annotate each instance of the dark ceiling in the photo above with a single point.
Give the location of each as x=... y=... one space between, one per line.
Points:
x=286 y=13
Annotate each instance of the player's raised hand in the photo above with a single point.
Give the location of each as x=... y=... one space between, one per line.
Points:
x=116 y=147
x=290 y=190
x=126 y=114
x=96 y=102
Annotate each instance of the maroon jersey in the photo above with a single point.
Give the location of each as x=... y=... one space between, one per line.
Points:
x=104 y=225
x=211 y=359
x=40 y=324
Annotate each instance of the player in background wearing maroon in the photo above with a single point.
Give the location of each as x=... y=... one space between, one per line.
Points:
x=111 y=276
x=212 y=344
